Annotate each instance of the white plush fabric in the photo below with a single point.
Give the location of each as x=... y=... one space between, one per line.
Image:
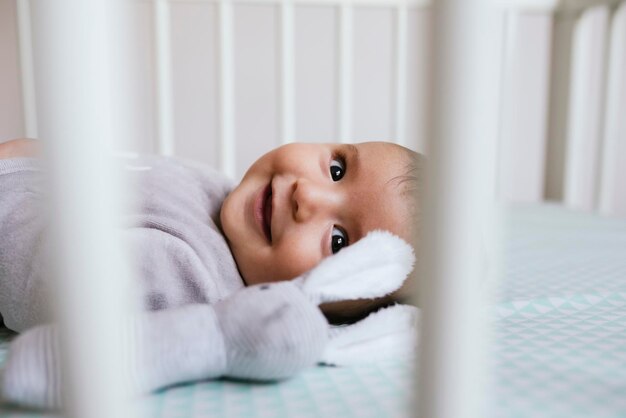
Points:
x=373 y=267
x=262 y=332
x=389 y=333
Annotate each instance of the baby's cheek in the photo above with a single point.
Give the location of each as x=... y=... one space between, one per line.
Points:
x=295 y=258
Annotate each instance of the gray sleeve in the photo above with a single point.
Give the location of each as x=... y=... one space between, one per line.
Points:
x=180 y=255
x=23 y=293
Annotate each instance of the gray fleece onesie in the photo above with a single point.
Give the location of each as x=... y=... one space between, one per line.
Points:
x=178 y=250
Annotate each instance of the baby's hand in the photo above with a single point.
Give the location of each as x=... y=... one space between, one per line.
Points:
x=22 y=147
x=263 y=332
x=271 y=331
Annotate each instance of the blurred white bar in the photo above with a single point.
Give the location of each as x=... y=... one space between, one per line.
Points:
x=400 y=78
x=227 y=88
x=29 y=102
x=164 y=88
x=458 y=201
x=287 y=72
x=584 y=128
x=369 y=3
x=554 y=6
x=345 y=71
x=613 y=177
x=524 y=108
x=79 y=52
x=559 y=98
x=419 y=110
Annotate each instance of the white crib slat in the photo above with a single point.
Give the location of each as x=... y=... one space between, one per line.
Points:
x=226 y=85
x=613 y=178
x=419 y=79
x=345 y=71
x=77 y=44
x=584 y=128
x=524 y=107
x=459 y=197
x=400 y=77
x=27 y=70
x=165 y=108
x=560 y=75
x=368 y=3
x=556 y=6
x=287 y=71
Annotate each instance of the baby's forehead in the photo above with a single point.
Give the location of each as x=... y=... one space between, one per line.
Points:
x=382 y=180
x=398 y=221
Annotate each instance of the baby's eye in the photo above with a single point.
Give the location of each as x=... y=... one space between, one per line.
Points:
x=337 y=168
x=339 y=240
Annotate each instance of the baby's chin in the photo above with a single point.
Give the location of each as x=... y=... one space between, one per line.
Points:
x=250 y=279
x=228 y=224
x=221 y=220
x=255 y=272
x=247 y=279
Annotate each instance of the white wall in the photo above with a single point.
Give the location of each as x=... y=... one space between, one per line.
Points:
x=534 y=106
x=11 y=118
x=256 y=76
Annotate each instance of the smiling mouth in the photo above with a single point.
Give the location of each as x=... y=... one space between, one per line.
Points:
x=267 y=213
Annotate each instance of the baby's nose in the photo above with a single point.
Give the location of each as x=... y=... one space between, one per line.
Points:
x=311 y=200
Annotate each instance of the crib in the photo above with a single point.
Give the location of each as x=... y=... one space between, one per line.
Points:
x=222 y=81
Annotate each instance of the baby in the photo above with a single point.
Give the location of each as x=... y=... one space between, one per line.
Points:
x=294 y=206
x=197 y=240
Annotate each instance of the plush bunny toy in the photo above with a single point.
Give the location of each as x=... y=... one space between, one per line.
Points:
x=262 y=332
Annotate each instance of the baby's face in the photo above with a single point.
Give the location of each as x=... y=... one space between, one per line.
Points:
x=302 y=202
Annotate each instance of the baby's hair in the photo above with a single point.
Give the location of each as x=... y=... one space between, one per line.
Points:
x=413 y=171
x=411 y=188
x=411 y=183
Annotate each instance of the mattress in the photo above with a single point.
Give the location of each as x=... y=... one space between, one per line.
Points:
x=558 y=347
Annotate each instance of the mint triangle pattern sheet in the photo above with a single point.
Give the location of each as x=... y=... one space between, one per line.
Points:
x=558 y=348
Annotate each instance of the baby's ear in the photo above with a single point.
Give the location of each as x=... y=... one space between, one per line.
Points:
x=373 y=267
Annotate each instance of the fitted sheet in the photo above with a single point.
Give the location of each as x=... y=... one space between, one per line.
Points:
x=558 y=349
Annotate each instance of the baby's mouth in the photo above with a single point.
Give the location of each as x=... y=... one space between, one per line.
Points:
x=267 y=213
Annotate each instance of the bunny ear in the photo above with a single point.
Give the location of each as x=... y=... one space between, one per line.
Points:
x=388 y=333
x=374 y=267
